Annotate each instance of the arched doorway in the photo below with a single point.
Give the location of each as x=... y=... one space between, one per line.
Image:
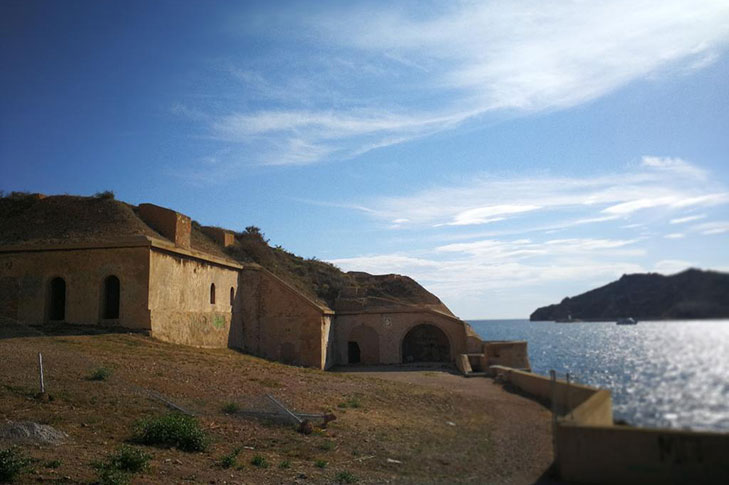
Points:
x=110 y=302
x=57 y=300
x=363 y=346
x=425 y=343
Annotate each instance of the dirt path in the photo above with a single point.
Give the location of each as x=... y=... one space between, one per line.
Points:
x=521 y=435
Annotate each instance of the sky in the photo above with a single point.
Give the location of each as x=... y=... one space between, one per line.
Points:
x=504 y=154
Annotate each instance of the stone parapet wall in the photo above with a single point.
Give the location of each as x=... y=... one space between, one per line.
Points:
x=589 y=448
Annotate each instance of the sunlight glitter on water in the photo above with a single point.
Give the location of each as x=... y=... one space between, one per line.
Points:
x=667 y=374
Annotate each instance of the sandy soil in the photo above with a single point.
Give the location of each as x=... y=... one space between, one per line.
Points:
x=394 y=426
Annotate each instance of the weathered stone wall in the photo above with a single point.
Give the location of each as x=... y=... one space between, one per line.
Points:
x=279 y=323
x=390 y=329
x=179 y=299
x=25 y=281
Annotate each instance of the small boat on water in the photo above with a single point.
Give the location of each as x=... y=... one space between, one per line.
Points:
x=627 y=321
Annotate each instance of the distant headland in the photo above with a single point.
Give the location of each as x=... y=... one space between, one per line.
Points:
x=691 y=294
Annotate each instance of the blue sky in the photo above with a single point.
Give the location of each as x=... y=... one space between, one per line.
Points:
x=504 y=154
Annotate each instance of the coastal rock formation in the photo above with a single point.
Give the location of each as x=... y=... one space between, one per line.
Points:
x=687 y=295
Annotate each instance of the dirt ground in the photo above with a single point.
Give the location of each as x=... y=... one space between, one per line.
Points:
x=394 y=425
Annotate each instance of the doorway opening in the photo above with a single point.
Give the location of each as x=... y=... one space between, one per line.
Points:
x=57 y=300
x=353 y=353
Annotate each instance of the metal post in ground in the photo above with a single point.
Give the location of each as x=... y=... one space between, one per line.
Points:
x=569 y=401
x=40 y=370
x=553 y=379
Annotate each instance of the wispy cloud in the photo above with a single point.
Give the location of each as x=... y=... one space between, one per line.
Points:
x=487 y=199
x=458 y=269
x=711 y=228
x=683 y=220
x=414 y=70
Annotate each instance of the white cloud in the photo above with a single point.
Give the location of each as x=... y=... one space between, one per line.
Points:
x=457 y=270
x=682 y=220
x=484 y=215
x=675 y=235
x=411 y=71
x=671 y=266
x=597 y=199
x=675 y=165
x=711 y=228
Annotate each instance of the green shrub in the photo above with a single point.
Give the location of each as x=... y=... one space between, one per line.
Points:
x=346 y=477
x=352 y=402
x=285 y=464
x=100 y=374
x=172 y=430
x=108 y=475
x=320 y=464
x=327 y=446
x=52 y=464
x=230 y=408
x=12 y=463
x=259 y=461
x=229 y=460
x=130 y=459
x=106 y=194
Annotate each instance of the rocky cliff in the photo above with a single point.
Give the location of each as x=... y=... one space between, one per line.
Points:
x=690 y=294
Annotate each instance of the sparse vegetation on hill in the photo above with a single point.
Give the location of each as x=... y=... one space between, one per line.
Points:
x=38 y=219
x=318 y=279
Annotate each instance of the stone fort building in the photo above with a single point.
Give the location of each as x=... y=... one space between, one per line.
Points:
x=98 y=261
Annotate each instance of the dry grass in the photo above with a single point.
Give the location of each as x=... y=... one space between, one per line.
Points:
x=407 y=423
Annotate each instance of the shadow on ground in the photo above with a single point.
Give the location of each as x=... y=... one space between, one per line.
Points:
x=13 y=329
x=415 y=367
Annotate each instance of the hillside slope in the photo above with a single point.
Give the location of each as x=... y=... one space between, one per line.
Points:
x=690 y=294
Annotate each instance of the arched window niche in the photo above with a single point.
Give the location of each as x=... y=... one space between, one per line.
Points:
x=111 y=298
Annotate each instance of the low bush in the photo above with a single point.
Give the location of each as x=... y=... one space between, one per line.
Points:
x=130 y=459
x=327 y=446
x=230 y=408
x=320 y=464
x=259 y=461
x=106 y=194
x=284 y=464
x=107 y=475
x=12 y=463
x=118 y=467
x=345 y=477
x=229 y=460
x=352 y=402
x=173 y=430
x=100 y=374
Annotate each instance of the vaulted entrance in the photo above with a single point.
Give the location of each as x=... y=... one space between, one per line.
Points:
x=425 y=343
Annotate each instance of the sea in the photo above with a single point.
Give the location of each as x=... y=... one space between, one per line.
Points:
x=669 y=374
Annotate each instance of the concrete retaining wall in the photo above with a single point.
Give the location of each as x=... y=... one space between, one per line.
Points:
x=622 y=454
x=590 y=449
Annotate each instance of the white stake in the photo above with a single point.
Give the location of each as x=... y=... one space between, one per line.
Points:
x=40 y=368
